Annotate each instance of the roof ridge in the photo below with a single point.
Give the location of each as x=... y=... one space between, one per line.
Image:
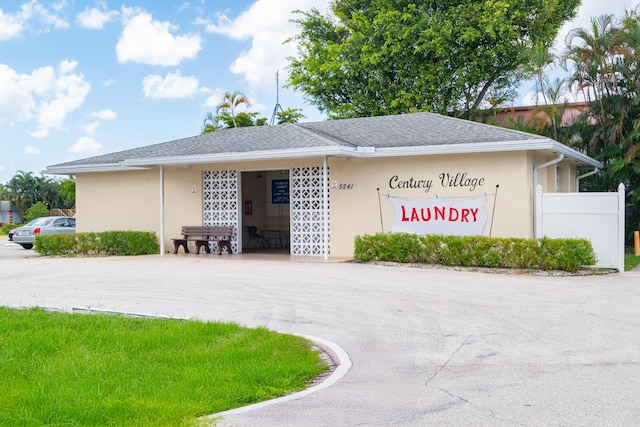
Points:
x=320 y=135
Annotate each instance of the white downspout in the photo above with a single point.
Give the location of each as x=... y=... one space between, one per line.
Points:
x=325 y=199
x=544 y=165
x=535 y=188
x=161 y=210
x=593 y=172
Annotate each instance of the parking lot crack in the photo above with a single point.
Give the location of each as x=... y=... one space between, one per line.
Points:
x=444 y=365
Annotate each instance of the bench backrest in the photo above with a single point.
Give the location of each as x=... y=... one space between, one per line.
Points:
x=207 y=230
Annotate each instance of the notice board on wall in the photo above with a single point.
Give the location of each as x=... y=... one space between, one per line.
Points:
x=280 y=191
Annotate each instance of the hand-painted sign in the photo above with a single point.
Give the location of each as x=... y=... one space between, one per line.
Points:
x=459 y=217
x=459 y=179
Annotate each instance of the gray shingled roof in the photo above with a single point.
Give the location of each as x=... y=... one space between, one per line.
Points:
x=411 y=130
x=240 y=140
x=384 y=132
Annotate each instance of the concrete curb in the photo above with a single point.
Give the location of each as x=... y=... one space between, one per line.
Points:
x=337 y=354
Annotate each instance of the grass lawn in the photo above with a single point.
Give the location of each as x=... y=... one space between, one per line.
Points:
x=98 y=370
x=630 y=260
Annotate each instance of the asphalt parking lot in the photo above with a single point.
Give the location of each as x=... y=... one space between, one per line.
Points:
x=427 y=346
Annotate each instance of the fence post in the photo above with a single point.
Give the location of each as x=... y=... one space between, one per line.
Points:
x=538 y=213
x=621 y=215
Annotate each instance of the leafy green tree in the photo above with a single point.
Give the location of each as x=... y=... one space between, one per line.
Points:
x=25 y=189
x=48 y=191
x=243 y=120
x=290 y=115
x=68 y=192
x=5 y=194
x=376 y=57
x=38 y=210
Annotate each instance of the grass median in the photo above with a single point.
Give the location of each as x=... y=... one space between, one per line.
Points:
x=98 y=370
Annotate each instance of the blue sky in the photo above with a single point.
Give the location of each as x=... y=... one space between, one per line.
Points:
x=83 y=78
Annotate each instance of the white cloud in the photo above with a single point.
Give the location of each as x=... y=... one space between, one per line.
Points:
x=68 y=93
x=90 y=128
x=96 y=18
x=32 y=15
x=10 y=26
x=16 y=95
x=146 y=41
x=85 y=144
x=67 y=66
x=104 y=114
x=50 y=18
x=267 y=24
x=173 y=86
x=215 y=98
x=31 y=150
x=46 y=95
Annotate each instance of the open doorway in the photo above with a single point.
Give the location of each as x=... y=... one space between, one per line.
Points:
x=265 y=211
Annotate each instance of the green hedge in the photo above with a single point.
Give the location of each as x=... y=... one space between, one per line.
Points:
x=6 y=228
x=476 y=251
x=103 y=243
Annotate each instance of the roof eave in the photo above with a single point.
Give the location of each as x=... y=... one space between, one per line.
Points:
x=72 y=170
x=489 y=147
x=239 y=157
x=342 y=151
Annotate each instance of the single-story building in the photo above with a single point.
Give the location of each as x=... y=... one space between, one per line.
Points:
x=9 y=213
x=318 y=185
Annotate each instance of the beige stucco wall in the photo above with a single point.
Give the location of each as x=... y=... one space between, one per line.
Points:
x=355 y=209
x=131 y=200
x=118 y=201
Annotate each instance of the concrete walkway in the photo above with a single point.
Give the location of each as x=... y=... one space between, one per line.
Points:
x=428 y=346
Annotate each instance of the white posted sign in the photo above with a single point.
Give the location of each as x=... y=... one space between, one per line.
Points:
x=466 y=217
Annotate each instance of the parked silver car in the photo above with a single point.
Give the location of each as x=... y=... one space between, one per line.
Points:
x=26 y=235
x=12 y=231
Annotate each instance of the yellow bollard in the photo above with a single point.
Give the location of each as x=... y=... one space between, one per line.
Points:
x=636 y=242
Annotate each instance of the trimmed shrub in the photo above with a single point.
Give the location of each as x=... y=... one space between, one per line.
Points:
x=476 y=251
x=119 y=243
x=6 y=228
x=398 y=247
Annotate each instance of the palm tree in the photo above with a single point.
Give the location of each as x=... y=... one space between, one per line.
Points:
x=593 y=57
x=229 y=103
x=211 y=123
x=554 y=107
x=23 y=189
x=538 y=59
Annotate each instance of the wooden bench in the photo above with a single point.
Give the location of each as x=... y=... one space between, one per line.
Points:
x=202 y=235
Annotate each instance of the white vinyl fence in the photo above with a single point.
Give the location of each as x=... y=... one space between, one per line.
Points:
x=598 y=217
